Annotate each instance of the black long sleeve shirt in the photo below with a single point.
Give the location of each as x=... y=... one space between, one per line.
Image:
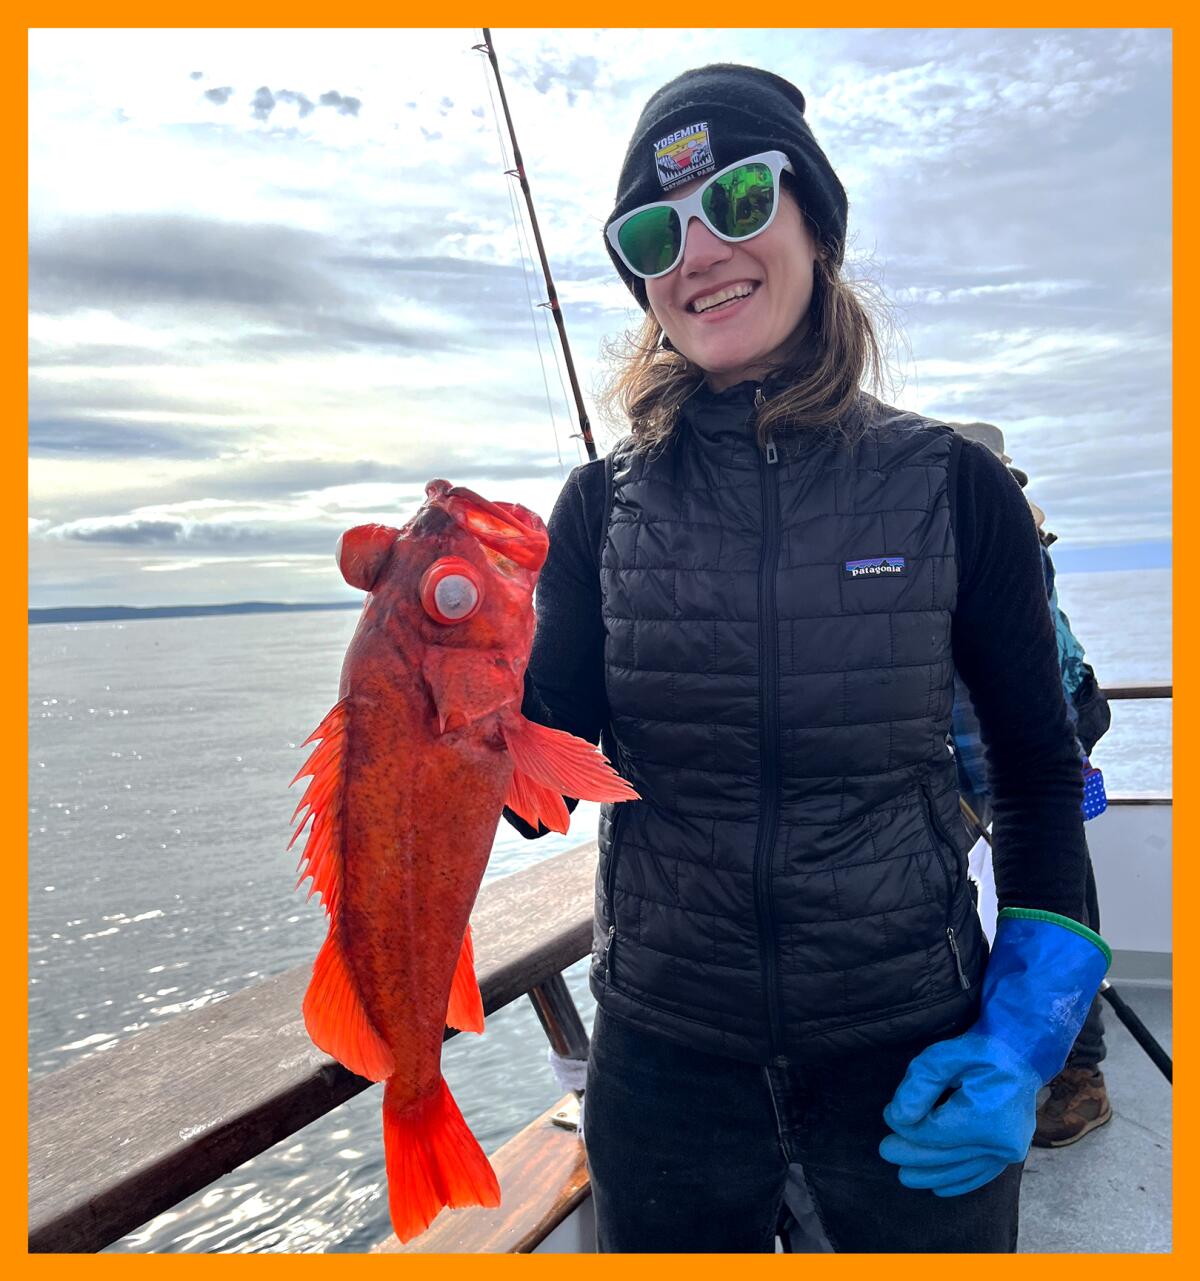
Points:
x=1003 y=646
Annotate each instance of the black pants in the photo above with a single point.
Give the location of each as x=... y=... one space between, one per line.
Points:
x=690 y=1153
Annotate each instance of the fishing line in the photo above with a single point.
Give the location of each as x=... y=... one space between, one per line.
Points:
x=526 y=262
x=558 y=365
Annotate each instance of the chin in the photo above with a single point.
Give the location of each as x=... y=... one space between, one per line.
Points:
x=724 y=361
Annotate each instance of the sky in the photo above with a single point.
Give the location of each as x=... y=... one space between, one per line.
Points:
x=276 y=282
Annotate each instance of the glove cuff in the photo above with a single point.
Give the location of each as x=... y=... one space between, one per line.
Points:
x=1037 y=914
x=1041 y=979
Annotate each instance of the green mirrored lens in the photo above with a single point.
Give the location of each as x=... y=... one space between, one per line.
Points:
x=739 y=202
x=650 y=240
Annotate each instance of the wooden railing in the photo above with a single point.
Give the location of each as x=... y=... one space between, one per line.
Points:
x=1148 y=689
x=119 y=1137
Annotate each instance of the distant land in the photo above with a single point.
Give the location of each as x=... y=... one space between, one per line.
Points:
x=1068 y=559
x=130 y=613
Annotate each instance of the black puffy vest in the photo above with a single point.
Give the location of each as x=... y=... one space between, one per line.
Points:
x=778 y=664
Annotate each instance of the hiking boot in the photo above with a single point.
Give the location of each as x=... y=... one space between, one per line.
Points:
x=1078 y=1104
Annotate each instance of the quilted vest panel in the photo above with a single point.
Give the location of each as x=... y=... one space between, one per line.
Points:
x=793 y=883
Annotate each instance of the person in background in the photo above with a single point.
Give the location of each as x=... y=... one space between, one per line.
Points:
x=1077 y=1102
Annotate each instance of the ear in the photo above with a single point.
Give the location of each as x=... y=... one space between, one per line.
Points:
x=362 y=552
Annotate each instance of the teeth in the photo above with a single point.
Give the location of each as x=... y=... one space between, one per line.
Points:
x=710 y=301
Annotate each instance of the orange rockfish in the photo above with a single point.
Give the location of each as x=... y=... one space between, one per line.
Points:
x=424 y=747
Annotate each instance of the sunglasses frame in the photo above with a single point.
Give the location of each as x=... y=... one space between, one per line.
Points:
x=691 y=206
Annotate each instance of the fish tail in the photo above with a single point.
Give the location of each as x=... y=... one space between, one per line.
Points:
x=432 y=1159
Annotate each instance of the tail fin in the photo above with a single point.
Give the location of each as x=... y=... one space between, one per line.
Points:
x=432 y=1160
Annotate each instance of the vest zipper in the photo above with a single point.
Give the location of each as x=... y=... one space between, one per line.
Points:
x=962 y=978
x=768 y=696
x=608 y=951
x=610 y=885
x=936 y=837
x=759 y=401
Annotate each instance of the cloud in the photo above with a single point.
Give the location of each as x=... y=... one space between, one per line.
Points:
x=136 y=530
x=271 y=495
x=298 y=290
x=178 y=259
x=265 y=101
x=437 y=264
x=1010 y=291
x=96 y=355
x=262 y=104
x=290 y=95
x=106 y=438
x=133 y=532
x=344 y=104
x=935 y=93
x=571 y=74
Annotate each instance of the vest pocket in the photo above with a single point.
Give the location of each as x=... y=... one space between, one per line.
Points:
x=947 y=856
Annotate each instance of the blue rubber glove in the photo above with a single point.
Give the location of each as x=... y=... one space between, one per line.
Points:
x=1042 y=977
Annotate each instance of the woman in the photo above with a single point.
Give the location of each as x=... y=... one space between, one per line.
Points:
x=759 y=600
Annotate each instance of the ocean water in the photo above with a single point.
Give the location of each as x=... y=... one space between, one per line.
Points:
x=160 y=751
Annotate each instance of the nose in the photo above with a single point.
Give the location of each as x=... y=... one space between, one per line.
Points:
x=702 y=250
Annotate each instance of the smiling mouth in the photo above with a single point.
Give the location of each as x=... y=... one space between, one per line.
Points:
x=721 y=299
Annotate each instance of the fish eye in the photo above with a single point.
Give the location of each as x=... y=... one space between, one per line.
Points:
x=451 y=590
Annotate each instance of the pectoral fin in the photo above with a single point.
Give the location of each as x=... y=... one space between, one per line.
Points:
x=551 y=761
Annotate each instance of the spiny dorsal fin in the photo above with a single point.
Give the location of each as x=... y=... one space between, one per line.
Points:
x=322 y=856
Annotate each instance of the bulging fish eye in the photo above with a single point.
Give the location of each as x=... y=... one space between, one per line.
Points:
x=451 y=590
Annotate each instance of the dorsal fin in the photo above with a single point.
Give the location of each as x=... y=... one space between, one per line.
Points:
x=322 y=856
x=333 y=1010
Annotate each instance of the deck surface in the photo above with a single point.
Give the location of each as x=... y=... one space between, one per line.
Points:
x=1111 y=1191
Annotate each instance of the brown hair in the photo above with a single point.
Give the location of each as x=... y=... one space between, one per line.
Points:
x=834 y=349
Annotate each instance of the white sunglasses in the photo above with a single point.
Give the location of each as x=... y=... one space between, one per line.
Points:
x=738 y=203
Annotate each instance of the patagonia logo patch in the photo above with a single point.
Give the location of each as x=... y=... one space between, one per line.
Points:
x=874 y=567
x=683 y=154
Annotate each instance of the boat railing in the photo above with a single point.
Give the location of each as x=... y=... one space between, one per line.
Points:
x=124 y=1135
x=121 y=1136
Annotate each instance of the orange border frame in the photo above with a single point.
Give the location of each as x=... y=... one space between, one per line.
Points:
x=13 y=52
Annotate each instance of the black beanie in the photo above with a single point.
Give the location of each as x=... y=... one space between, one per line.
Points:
x=711 y=117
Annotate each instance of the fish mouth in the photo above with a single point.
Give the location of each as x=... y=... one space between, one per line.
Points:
x=513 y=531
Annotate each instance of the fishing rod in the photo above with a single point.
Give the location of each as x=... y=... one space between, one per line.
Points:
x=1136 y=1028
x=585 y=427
